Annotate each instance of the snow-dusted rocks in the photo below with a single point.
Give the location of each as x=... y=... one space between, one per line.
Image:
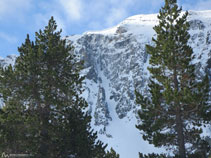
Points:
x=101 y=113
x=116 y=63
x=10 y=59
x=118 y=54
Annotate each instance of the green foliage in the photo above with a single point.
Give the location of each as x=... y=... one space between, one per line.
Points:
x=43 y=107
x=178 y=98
x=153 y=155
x=11 y=121
x=111 y=154
x=75 y=137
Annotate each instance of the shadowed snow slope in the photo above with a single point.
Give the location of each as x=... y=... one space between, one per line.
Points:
x=116 y=62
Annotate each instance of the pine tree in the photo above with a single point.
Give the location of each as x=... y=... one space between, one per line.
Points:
x=153 y=155
x=46 y=84
x=112 y=154
x=12 y=126
x=83 y=144
x=178 y=104
x=11 y=121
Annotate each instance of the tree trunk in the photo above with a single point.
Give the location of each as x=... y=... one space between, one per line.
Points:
x=44 y=135
x=180 y=135
x=179 y=122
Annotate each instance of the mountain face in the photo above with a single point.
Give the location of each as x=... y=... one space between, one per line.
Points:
x=116 y=64
x=10 y=59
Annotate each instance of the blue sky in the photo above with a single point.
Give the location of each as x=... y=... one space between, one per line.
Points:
x=19 y=17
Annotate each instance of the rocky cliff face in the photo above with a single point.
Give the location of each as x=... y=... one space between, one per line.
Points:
x=118 y=54
x=10 y=59
x=116 y=63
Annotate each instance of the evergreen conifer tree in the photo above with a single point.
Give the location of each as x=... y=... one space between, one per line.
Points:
x=112 y=154
x=11 y=121
x=45 y=88
x=178 y=104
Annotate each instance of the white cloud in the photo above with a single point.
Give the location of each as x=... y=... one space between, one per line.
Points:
x=122 y=3
x=95 y=25
x=8 y=38
x=118 y=11
x=156 y=4
x=60 y=24
x=106 y=12
x=111 y=12
x=102 y=13
x=73 y=8
x=41 y=20
x=116 y=15
x=13 y=7
x=195 y=5
x=200 y=5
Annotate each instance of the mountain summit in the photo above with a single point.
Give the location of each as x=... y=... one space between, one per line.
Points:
x=115 y=63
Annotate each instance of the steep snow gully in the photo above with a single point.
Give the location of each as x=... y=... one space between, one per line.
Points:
x=116 y=62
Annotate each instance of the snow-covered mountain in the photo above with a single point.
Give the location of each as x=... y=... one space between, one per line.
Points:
x=10 y=59
x=116 y=63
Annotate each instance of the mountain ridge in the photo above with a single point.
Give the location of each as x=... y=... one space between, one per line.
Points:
x=116 y=63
